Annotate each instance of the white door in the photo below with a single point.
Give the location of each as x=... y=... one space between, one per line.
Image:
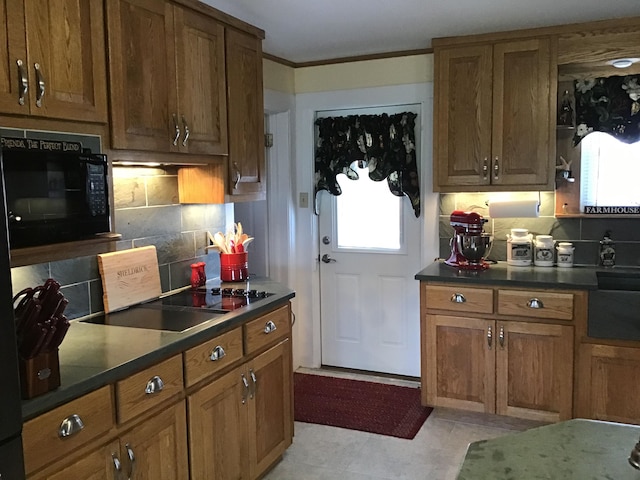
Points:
x=370 y=252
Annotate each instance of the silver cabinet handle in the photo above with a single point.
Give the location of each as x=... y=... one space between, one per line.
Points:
x=293 y=319
x=132 y=460
x=40 y=82
x=270 y=327
x=245 y=389
x=501 y=337
x=23 y=82
x=496 y=168
x=535 y=303
x=485 y=168
x=489 y=337
x=70 y=426
x=218 y=353
x=116 y=464
x=238 y=175
x=254 y=383
x=154 y=385
x=457 y=298
x=176 y=129
x=187 y=132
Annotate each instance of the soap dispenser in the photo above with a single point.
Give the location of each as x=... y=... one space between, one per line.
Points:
x=607 y=251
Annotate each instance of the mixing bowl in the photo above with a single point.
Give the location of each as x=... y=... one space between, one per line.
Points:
x=475 y=247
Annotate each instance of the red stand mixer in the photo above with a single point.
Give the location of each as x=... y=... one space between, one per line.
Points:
x=469 y=245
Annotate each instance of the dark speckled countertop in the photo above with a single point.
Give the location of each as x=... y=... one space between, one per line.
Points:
x=94 y=355
x=572 y=450
x=577 y=277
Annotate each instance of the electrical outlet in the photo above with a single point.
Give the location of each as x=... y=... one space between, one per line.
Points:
x=304 y=200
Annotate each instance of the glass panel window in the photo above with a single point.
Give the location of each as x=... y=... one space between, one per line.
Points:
x=609 y=172
x=368 y=215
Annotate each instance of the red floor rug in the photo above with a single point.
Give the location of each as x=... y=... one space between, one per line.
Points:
x=357 y=405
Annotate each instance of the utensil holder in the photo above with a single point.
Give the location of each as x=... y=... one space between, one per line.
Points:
x=233 y=267
x=40 y=374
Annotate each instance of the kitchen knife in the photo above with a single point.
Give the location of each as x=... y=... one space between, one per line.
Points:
x=32 y=342
x=61 y=330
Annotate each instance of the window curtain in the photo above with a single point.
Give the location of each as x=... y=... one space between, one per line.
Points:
x=610 y=105
x=385 y=143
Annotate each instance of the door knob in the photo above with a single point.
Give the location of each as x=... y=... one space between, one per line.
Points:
x=327 y=259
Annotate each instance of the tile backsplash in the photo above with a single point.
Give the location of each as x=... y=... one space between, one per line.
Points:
x=147 y=212
x=584 y=233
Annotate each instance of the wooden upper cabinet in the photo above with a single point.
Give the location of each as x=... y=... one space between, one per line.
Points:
x=246 y=169
x=167 y=78
x=202 y=102
x=492 y=116
x=54 y=65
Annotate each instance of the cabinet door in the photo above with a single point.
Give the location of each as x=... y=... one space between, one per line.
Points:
x=202 y=102
x=12 y=35
x=522 y=151
x=269 y=407
x=66 y=55
x=218 y=428
x=158 y=447
x=460 y=363
x=607 y=383
x=142 y=75
x=534 y=371
x=247 y=175
x=462 y=138
x=100 y=464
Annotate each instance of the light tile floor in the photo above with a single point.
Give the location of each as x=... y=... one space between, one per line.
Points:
x=321 y=453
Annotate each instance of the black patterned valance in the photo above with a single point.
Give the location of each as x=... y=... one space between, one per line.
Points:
x=610 y=105
x=385 y=142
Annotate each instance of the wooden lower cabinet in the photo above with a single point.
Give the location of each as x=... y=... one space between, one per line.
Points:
x=520 y=369
x=240 y=424
x=155 y=449
x=608 y=387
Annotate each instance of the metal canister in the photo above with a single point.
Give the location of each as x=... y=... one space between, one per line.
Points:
x=519 y=247
x=543 y=251
x=565 y=254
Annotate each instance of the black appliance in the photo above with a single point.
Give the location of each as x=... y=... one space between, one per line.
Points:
x=56 y=191
x=182 y=310
x=11 y=458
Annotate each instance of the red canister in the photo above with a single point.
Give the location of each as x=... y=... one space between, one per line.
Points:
x=233 y=267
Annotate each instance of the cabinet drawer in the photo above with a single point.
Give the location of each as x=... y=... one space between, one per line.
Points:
x=459 y=298
x=142 y=391
x=212 y=356
x=267 y=329
x=42 y=437
x=536 y=304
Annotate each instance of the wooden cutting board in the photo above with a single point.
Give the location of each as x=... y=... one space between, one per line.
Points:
x=129 y=277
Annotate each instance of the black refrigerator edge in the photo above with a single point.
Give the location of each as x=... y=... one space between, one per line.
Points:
x=11 y=456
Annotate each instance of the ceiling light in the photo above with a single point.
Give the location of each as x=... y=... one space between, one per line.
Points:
x=623 y=62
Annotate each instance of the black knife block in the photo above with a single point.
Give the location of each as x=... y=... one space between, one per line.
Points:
x=40 y=374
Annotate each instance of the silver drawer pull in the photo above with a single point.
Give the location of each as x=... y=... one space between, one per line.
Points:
x=218 y=353
x=155 y=385
x=457 y=298
x=116 y=464
x=132 y=460
x=489 y=337
x=535 y=303
x=270 y=327
x=70 y=426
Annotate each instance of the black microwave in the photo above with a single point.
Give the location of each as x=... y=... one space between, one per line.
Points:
x=56 y=191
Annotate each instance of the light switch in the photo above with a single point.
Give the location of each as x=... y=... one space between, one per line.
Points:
x=304 y=200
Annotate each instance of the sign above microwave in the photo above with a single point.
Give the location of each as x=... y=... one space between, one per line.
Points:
x=32 y=144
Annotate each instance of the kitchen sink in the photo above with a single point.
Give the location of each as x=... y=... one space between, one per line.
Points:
x=172 y=320
x=614 y=308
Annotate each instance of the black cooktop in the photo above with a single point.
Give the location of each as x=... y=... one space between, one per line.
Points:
x=154 y=319
x=179 y=311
